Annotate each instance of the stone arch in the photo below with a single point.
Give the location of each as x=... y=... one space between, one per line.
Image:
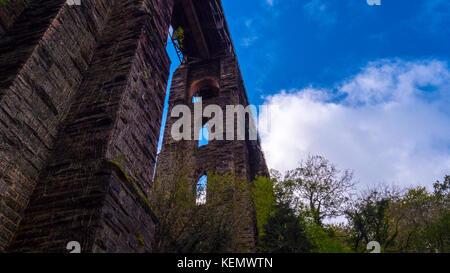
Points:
x=205 y=87
x=201 y=187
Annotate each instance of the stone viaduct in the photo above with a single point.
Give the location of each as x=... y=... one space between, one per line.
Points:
x=84 y=85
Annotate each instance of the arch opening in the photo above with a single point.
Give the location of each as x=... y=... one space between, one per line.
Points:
x=201 y=190
x=203 y=136
x=204 y=88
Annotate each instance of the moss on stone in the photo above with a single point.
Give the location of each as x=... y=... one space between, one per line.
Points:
x=141 y=243
x=125 y=178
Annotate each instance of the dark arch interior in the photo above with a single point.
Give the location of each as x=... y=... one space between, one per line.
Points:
x=205 y=88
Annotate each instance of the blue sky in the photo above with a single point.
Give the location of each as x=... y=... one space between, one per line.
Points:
x=296 y=43
x=368 y=87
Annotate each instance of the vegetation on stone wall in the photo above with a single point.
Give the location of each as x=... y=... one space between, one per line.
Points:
x=9 y=2
x=178 y=37
x=184 y=226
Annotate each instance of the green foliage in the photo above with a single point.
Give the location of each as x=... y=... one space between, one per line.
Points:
x=178 y=37
x=442 y=191
x=10 y=3
x=318 y=187
x=186 y=227
x=369 y=222
x=414 y=220
x=411 y=220
x=284 y=232
x=438 y=234
x=264 y=200
x=324 y=239
x=289 y=213
x=4 y=2
x=422 y=220
x=292 y=226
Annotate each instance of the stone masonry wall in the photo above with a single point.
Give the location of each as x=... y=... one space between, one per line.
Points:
x=127 y=219
x=89 y=190
x=42 y=60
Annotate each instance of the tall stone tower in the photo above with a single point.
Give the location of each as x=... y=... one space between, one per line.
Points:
x=216 y=81
x=213 y=76
x=81 y=99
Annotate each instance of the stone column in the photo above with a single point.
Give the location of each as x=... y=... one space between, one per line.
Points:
x=94 y=184
x=218 y=81
x=43 y=56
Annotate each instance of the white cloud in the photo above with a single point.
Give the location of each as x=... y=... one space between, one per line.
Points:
x=270 y=2
x=389 y=123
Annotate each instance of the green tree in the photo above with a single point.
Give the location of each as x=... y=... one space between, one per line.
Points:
x=319 y=188
x=264 y=200
x=325 y=239
x=285 y=232
x=411 y=220
x=423 y=219
x=369 y=219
